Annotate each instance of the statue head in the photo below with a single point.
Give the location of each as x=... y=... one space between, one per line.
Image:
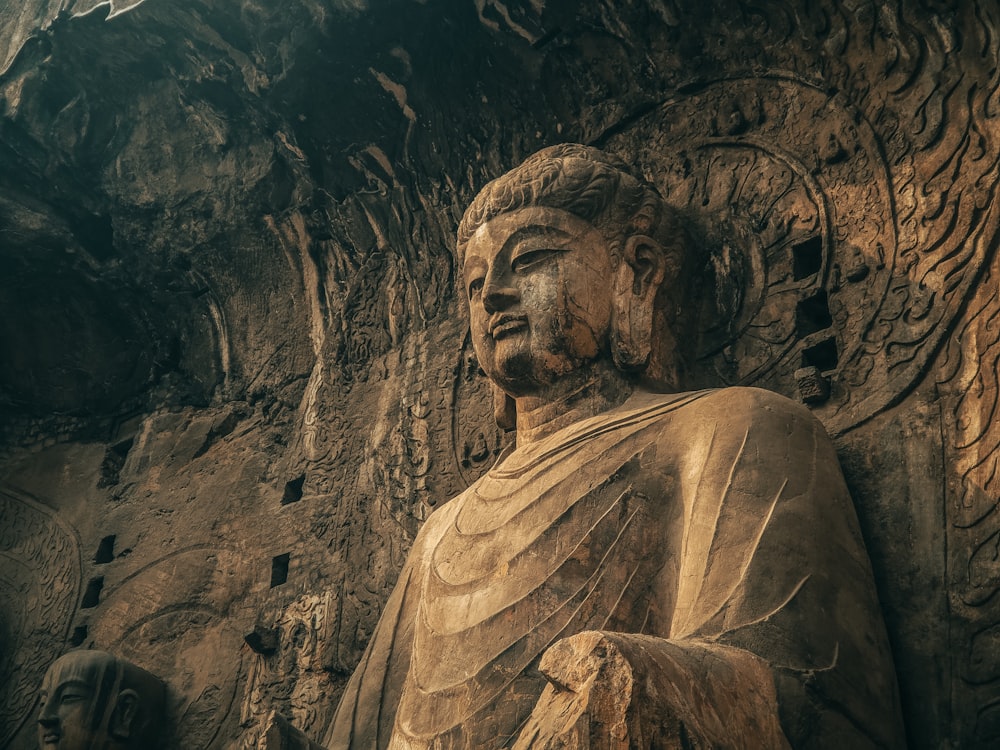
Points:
x=91 y=700
x=572 y=231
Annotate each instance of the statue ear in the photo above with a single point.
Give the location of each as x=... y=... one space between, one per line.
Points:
x=636 y=285
x=126 y=709
x=504 y=409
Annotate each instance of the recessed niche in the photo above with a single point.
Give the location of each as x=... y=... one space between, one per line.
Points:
x=293 y=490
x=114 y=461
x=93 y=593
x=823 y=355
x=79 y=636
x=105 y=550
x=812 y=314
x=279 y=569
x=262 y=640
x=807 y=258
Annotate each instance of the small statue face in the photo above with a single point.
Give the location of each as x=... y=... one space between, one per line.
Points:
x=65 y=717
x=539 y=284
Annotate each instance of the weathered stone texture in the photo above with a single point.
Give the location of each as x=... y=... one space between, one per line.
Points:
x=226 y=270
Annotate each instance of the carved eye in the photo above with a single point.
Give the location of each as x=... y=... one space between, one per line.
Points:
x=475 y=286
x=532 y=258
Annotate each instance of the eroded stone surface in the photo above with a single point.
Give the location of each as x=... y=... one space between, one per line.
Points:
x=264 y=201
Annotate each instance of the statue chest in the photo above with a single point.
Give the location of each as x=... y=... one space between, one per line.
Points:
x=552 y=554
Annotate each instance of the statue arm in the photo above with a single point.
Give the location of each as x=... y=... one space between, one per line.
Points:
x=775 y=635
x=365 y=715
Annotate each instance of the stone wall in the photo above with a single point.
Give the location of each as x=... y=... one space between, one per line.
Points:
x=234 y=377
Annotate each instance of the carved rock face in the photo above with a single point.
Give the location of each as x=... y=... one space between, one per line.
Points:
x=67 y=699
x=538 y=282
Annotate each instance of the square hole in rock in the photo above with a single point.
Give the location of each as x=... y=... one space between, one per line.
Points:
x=807 y=257
x=79 y=636
x=92 y=595
x=293 y=490
x=105 y=550
x=823 y=356
x=279 y=569
x=812 y=314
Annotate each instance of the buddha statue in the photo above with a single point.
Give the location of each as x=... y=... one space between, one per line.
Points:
x=646 y=566
x=91 y=700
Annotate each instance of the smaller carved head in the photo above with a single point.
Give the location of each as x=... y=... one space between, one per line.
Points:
x=91 y=700
x=573 y=223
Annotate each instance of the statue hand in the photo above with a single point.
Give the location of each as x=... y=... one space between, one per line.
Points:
x=612 y=691
x=593 y=701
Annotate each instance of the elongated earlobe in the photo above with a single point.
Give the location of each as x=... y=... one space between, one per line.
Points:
x=504 y=409
x=637 y=282
x=126 y=708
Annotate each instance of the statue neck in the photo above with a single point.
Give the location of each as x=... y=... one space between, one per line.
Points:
x=579 y=395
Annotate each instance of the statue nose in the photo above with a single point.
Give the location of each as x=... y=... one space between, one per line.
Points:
x=48 y=717
x=497 y=298
x=499 y=292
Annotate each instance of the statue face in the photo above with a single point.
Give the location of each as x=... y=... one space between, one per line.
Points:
x=538 y=282
x=65 y=717
x=91 y=700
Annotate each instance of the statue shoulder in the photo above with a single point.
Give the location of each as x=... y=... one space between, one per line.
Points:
x=757 y=406
x=741 y=416
x=435 y=526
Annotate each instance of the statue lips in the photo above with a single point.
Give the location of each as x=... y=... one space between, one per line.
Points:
x=51 y=737
x=505 y=325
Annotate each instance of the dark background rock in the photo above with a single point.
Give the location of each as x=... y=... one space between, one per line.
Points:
x=226 y=268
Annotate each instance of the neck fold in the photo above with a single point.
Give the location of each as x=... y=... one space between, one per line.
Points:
x=580 y=395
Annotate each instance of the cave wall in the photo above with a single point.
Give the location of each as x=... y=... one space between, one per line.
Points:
x=230 y=339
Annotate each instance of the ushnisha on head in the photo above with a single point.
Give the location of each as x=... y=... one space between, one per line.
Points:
x=649 y=275
x=91 y=700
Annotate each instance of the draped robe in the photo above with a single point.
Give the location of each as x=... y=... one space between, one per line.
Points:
x=709 y=519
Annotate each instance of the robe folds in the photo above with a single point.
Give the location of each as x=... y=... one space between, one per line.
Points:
x=708 y=519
